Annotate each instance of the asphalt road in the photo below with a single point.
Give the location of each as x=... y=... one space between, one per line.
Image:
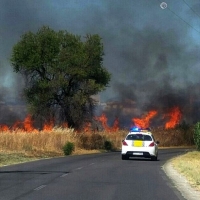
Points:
x=90 y=177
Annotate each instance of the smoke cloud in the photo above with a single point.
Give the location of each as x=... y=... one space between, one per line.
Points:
x=152 y=54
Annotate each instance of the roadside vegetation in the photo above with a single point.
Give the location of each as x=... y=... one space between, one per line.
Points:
x=189 y=166
x=65 y=141
x=10 y=158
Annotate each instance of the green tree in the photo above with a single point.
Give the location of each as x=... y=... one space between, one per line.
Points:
x=62 y=72
x=197 y=135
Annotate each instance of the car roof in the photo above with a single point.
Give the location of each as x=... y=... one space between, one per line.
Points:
x=136 y=130
x=140 y=132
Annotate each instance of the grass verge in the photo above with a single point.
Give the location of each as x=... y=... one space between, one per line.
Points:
x=14 y=158
x=10 y=158
x=189 y=166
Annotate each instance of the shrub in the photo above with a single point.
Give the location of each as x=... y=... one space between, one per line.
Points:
x=197 y=135
x=68 y=148
x=91 y=141
x=108 y=145
x=97 y=141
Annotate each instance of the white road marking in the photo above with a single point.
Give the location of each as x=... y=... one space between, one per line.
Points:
x=91 y=164
x=40 y=187
x=78 y=168
x=63 y=175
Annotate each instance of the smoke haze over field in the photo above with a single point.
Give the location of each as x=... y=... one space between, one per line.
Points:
x=152 y=54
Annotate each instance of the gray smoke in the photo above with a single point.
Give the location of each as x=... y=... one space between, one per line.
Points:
x=153 y=55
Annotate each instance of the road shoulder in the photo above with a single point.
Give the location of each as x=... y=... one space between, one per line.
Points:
x=180 y=182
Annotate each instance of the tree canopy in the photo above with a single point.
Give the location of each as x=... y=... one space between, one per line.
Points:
x=62 y=72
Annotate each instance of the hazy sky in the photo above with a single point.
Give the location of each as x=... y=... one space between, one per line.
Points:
x=153 y=54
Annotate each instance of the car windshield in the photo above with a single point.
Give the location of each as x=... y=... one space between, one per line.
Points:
x=139 y=137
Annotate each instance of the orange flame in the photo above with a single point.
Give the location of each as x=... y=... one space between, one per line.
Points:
x=115 y=125
x=65 y=125
x=103 y=119
x=175 y=116
x=145 y=120
x=87 y=127
x=28 y=124
x=17 y=125
x=48 y=126
x=4 y=128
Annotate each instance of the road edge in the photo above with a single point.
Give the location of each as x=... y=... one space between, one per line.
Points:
x=180 y=182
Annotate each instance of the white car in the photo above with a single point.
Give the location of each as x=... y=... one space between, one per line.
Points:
x=139 y=143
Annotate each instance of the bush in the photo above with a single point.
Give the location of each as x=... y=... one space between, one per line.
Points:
x=97 y=141
x=68 y=148
x=108 y=145
x=197 y=135
x=91 y=141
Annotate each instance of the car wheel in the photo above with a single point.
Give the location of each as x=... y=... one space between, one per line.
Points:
x=124 y=157
x=154 y=158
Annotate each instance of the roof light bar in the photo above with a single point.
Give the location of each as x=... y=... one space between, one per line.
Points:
x=137 y=129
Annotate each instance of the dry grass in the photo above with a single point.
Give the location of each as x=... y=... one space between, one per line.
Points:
x=49 y=144
x=189 y=166
x=174 y=137
x=35 y=142
x=20 y=146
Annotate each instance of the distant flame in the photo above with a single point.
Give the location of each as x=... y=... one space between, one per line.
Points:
x=48 y=126
x=65 y=125
x=28 y=124
x=87 y=127
x=17 y=125
x=103 y=119
x=115 y=126
x=4 y=128
x=145 y=120
x=175 y=116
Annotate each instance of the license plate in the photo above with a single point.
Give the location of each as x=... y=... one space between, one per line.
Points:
x=138 y=154
x=137 y=143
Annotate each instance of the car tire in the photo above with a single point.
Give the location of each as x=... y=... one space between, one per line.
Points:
x=154 y=158
x=124 y=157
